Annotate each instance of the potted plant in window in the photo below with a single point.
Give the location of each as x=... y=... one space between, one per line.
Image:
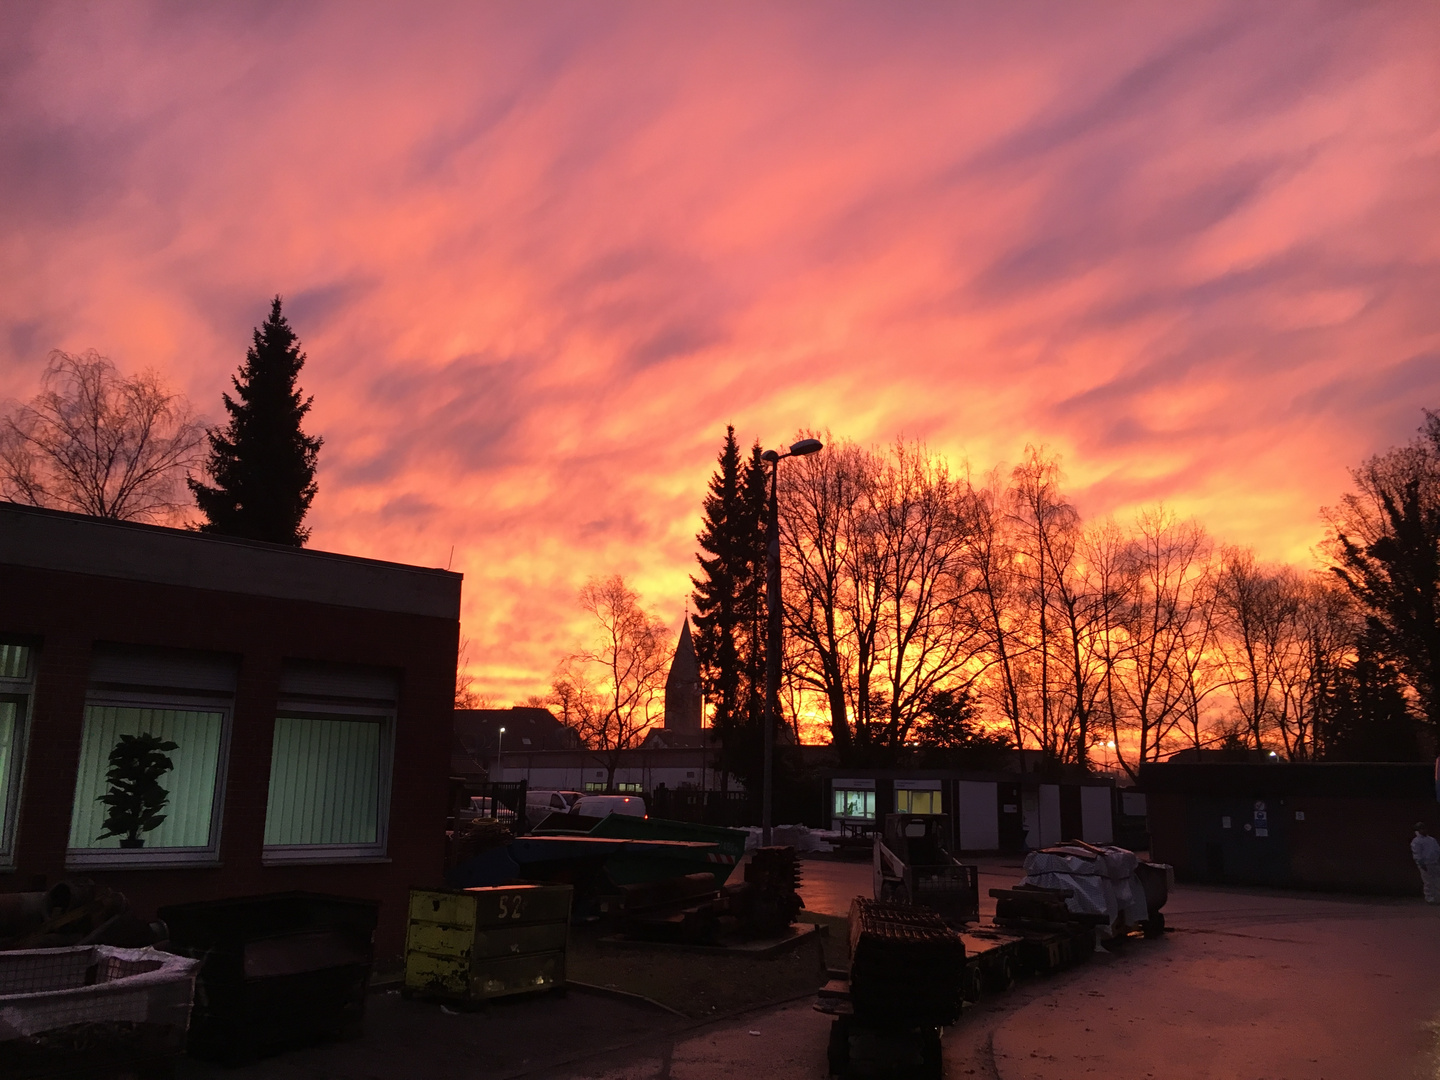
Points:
x=135 y=797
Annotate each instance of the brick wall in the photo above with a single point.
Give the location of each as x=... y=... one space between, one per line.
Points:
x=68 y=613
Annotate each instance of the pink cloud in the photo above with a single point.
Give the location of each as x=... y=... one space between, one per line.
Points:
x=540 y=256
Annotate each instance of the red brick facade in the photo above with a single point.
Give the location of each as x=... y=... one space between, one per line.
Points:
x=64 y=613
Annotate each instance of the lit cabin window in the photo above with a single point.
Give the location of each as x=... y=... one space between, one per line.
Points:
x=854 y=804
x=917 y=802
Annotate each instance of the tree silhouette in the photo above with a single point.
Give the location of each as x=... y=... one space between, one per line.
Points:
x=1366 y=716
x=97 y=442
x=262 y=463
x=729 y=608
x=610 y=693
x=1387 y=552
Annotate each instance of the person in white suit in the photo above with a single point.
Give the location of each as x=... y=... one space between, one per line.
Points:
x=1426 y=851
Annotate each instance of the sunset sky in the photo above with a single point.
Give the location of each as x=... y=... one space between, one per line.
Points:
x=540 y=254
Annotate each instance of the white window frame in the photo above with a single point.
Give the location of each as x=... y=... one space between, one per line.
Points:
x=377 y=852
x=22 y=691
x=160 y=858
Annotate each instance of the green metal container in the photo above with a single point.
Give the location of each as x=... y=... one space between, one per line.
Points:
x=729 y=847
x=477 y=944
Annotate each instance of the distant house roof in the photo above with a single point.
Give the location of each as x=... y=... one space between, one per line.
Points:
x=669 y=739
x=477 y=734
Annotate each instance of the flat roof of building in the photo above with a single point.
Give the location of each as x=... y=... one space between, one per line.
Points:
x=78 y=544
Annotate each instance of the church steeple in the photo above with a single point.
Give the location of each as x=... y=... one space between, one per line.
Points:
x=683 y=700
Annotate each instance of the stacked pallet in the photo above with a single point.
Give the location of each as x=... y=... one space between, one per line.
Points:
x=768 y=900
x=906 y=965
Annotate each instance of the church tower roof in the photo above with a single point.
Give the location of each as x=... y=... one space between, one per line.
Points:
x=685 y=668
x=684 y=704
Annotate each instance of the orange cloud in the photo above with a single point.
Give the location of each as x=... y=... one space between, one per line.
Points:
x=540 y=256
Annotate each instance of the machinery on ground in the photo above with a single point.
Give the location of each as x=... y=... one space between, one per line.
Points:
x=912 y=866
x=919 y=949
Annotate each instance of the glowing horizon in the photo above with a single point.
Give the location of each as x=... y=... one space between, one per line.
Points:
x=539 y=257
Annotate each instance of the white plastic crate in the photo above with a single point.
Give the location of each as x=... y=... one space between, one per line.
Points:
x=45 y=989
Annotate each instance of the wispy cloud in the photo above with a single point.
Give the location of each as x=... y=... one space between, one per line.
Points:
x=539 y=256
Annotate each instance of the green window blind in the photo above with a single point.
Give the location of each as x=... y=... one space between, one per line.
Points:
x=14 y=661
x=191 y=783
x=9 y=725
x=324 y=782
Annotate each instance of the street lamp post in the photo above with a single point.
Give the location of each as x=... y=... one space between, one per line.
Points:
x=499 y=748
x=772 y=632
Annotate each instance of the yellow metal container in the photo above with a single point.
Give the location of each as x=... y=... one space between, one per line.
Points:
x=484 y=943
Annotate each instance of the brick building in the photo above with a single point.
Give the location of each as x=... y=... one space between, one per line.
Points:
x=309 y=696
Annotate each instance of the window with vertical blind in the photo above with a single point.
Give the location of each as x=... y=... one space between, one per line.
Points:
x=330 y=761
x=182 y=701
x=15 y=681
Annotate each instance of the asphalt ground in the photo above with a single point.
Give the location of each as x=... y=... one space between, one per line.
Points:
x=1254 y=984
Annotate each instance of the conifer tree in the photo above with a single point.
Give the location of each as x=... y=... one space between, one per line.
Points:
x=262 y=463
x=716 y=618
x=729 y=604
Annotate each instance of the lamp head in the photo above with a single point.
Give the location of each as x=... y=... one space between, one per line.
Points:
x=806 y=446
x=770 y=456
x=502 y=731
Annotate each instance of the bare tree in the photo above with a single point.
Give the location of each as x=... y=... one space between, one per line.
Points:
x=1045 y=528
x=1257 y=606
x=929 y=633
x=1162 y=635
x=999 y=609
x=826 y=555
x=1092 y=595
x=466 y=696
x=609 y=693
x=97 y=442
x=878 y=588
x=1317 y=642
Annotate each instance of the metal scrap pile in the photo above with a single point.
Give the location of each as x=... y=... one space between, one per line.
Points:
x=75 y=912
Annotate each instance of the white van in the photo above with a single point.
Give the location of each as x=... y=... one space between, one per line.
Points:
x=601 y=805
x=540 y=802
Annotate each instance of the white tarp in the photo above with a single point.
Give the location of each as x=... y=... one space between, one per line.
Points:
x=1102 y=881
x=43 y=989
x=802 y=838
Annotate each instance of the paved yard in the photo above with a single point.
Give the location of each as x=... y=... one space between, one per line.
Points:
x=1251 y=984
